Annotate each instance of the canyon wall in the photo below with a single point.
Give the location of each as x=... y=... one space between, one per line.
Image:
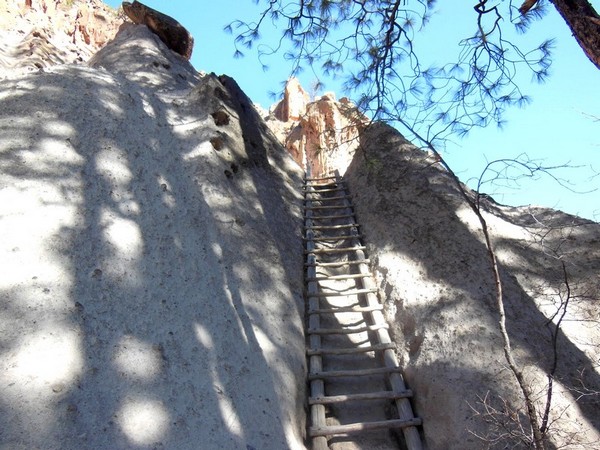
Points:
x=151 y=293
x=435 y=280
x=152 y=288
x=42 y=33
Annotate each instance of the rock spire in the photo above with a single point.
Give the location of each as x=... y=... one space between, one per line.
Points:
x=322 y=134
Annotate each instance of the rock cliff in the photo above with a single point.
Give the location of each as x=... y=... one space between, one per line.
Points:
x=434 y=275
x=152 y=258
x=149 y=298
x=321 y=135
x=42 y=33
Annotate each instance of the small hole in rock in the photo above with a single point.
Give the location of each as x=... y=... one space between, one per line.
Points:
x=220 y=118
x=220 y=93
x=217 y=142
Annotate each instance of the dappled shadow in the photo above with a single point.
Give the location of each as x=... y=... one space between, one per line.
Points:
x=434 y=270
x=158 y=301
x=344 y=264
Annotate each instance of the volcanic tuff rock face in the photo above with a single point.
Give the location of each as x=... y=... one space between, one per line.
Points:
x=42 y=33
x=151 y=290
x=434 y=273
x=293 y=105
x=171 y=32
x=321 y=135
x=151 y=293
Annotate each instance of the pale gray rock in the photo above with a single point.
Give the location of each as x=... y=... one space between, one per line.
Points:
x=434 y=274
x=148 y=298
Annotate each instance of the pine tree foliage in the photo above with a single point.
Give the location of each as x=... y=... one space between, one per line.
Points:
x=374 y=46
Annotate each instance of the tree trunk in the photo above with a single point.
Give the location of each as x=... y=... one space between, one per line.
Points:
x=584 y=22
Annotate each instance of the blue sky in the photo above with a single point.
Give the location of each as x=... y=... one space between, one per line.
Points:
x=561 y=125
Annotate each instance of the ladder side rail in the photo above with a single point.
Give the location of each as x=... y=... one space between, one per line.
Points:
x=317 y=387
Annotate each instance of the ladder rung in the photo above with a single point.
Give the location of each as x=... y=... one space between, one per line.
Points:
x=317 y=208
x=335 y=181
x=332 y=177
x=346 y=309
x=347 y=330
x=331 y=227
x=340 y=216
x=363 y=426
x=336 y=250
x=340 y=277
x=354 y=373
x=326 y=199
x=343 y=294
x=319 y=191
x=349 y=351
x=338 y=263
x=334 y=238
x=319 y=186
x=383 y=395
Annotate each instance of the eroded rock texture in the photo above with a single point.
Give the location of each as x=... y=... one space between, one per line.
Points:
x=321 y=135
x=170 y=31
x=43 y=33
x=151 y=294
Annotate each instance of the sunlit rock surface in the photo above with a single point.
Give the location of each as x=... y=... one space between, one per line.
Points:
x=435 y=279
x=321 y=135
x=43 y=33
x=148 y=295
x=293 y=105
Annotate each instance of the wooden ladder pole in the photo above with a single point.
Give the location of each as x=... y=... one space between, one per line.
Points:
x=405 y=412
x=317 y=387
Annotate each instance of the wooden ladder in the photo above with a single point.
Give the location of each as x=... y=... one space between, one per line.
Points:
x=348 y=340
